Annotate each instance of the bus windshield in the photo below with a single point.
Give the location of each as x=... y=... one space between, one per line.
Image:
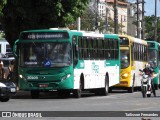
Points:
x=152 y=57
x=125 y=59
x=35 y=54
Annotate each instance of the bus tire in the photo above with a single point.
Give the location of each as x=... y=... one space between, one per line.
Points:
x=110 y=90
x=77 y=92
x=4 y=99
x=105 y=90
x=131 y=89
x=34 y=94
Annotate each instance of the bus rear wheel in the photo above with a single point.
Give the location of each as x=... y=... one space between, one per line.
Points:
x=104 y=91
x=34 y=94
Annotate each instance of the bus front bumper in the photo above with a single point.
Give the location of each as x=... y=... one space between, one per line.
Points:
x=123 y=83
x=49 y=86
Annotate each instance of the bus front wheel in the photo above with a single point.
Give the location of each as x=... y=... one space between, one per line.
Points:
x=131 y=89
x=77 y=92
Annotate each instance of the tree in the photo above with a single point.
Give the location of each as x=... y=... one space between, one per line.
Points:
x=2 y=3
x=19 y=15
x=149 y=27
x=88 y=20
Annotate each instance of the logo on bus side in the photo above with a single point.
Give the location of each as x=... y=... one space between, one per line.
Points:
x=95 y=68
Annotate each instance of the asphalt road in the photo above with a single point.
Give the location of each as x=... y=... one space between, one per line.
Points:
x=115 y=106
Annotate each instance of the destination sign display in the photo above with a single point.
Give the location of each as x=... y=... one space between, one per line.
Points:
x=44 y=35
x=124 y=41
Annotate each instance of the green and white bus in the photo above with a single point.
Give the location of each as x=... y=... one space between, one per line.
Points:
x=154 y=60
x=67 y=61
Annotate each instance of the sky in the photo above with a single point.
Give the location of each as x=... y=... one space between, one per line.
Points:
x=149 y=7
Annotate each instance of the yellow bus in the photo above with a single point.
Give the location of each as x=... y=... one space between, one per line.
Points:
x=134 y=56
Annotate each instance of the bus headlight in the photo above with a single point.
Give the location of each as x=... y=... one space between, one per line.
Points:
x=125 y=75
x=20 y=76
x=65 y=77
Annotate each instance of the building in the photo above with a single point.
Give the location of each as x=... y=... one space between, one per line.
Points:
x=134 y=20
x=104 y=9
x=131 y=25
x=122 y=14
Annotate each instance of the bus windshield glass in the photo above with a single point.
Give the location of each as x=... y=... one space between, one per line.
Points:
x=124 y=41
x=152 y=57
x=125 y=59
x=35 y=54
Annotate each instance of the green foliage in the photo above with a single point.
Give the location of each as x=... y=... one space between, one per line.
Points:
x=88 y=20
x=19 y=15
x=150 y=26
x=2 y=3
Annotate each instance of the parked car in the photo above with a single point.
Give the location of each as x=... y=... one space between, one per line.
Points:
x=7 y=89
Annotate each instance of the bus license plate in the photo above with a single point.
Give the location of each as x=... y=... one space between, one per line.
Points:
x=43 y=85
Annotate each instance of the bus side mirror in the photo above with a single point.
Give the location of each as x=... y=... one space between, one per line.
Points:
x=75 y=61
x=75 y=55
x=15 y=48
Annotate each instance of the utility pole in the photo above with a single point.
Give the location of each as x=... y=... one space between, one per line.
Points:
x=115 y=17
x=155 y=27
x=78 y=23
x=121 y=25
x=138 y=35
x=106 y=19
x=96 y=21
x=142 y=32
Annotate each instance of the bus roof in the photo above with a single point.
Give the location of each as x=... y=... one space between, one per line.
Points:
x=133 y=39
x=153 y=42
x=69 y=32
x=112 y=36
